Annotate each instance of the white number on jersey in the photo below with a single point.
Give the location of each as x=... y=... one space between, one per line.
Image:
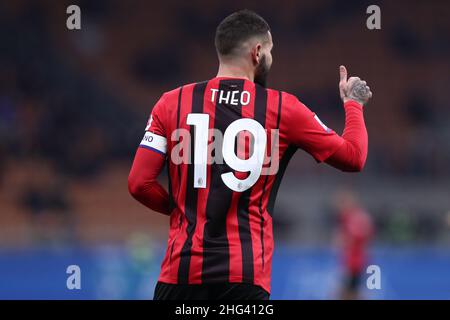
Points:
x=253 y=164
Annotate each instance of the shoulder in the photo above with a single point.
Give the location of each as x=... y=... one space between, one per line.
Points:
x=287 y=98
x=170 y=95
x=292 y=106
x=174 y=94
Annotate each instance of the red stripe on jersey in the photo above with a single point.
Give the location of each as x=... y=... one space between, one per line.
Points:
x=234 y=242
x=191 y=198
x=174 y=171
x=176 y=213
x=170 y=275
x=285 y=154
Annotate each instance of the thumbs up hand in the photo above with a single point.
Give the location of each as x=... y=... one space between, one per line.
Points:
x=353 y=89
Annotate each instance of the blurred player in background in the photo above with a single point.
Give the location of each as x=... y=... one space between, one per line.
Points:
x=220 y=198
x=355 y=230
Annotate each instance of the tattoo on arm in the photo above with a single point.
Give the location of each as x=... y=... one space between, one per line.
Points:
x=359 y=92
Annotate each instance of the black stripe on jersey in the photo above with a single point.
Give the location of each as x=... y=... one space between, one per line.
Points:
x=180 y=220
x=172 y=200
x=260 y=104
x=280 y=97
x=216 y=262
x=191 y=192
x=244 y=200
x=177 y=139
x=266 y=179
x=276 y=184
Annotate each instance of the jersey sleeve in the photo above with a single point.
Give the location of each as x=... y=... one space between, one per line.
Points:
x=304 y=129
x=155 y=131
x=147 y=165
x=143 y=184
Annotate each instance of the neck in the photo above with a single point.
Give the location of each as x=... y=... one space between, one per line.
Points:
x=234 y=71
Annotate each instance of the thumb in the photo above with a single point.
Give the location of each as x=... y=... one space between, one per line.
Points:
x=343 y=74
x=343 y=82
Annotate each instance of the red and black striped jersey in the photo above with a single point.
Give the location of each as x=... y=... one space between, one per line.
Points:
x=227 y=142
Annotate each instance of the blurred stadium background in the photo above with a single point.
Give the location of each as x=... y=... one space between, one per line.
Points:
x=73 y=106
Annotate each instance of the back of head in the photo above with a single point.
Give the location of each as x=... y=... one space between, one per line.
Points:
x=236 y=29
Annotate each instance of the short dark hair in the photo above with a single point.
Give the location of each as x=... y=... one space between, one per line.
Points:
x=237 y=28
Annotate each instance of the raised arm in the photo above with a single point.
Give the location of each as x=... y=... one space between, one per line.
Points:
x=304 y=129
x=352 y=154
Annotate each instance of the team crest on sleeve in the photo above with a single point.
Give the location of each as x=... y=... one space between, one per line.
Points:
x=322 y=124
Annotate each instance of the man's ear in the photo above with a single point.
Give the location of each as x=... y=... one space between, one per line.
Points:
x=256 y=53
